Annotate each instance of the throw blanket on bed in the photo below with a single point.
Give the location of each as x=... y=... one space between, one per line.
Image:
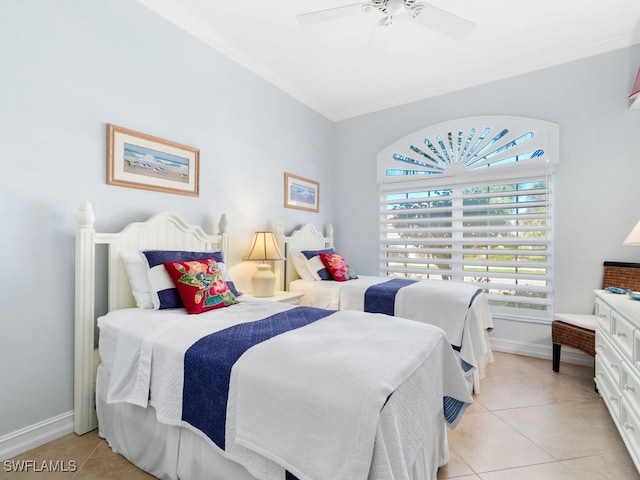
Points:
x=308 y=400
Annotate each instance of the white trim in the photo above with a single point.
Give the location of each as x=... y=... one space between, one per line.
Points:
x=35 y=435
x=569 y=355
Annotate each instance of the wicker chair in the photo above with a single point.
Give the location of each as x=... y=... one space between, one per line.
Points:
x=578 y=330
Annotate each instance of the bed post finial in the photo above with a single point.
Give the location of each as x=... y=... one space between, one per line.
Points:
x=222 y=224
x=85 y=218
x=330 y=231
x=278 y=267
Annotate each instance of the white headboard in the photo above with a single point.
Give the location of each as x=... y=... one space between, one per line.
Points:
x=306 y=237
x=164 y=231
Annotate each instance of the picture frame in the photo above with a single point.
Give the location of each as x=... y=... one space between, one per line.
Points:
x=139 y=160
x=301 y=193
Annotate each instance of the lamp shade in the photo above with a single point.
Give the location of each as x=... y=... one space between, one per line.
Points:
x=636 y=86
x=634 y=236
x=264 y=247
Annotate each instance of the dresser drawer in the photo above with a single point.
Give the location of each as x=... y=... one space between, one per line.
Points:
x=630 y=385
x=622 y=334
x=609 y=392
x=630 y=430
x=603 y=316
x=608 y=358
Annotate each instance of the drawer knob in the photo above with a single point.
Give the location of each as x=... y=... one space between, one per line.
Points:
x=614 y=365
x=628 y=388
x=621 y=334
x=628 y=427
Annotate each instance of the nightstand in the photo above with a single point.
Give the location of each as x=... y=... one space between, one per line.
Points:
x=279 y=296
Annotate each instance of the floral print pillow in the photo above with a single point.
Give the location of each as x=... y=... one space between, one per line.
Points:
x=338 y=268
x=200 y=284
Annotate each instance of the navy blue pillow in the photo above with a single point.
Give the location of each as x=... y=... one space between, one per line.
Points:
x=164 y=293
x=315 y=264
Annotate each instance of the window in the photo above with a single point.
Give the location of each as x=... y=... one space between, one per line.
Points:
x=470 y=201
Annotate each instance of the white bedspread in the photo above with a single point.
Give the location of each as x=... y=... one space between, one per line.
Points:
x=445 y=304
x=323 y=378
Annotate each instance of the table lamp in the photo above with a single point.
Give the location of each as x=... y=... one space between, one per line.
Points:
x=634 y=236
x=263 y=248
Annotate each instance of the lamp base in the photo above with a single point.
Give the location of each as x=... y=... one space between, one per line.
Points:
x=263 y=281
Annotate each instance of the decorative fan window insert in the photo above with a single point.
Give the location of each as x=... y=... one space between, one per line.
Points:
x=469 y=150
x=478 y=224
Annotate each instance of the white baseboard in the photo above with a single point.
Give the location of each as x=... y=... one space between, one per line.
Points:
x=33 y=436
x=567 y=355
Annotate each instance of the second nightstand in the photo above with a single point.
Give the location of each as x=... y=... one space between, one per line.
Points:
x=281 y=296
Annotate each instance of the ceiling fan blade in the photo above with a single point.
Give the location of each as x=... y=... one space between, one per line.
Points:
x=330 y=14
x=442 y=21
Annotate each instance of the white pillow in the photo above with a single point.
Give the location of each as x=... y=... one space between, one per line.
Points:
x=300 y=264
x=136 y=268
x=315 y=265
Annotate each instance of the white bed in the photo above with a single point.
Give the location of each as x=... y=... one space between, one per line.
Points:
x=460 y=309
x=143 y=426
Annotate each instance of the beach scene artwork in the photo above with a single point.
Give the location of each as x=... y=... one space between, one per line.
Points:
x=140 y=160
x=302 y=193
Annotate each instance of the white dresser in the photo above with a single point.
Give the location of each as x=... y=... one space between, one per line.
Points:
x=618 y=364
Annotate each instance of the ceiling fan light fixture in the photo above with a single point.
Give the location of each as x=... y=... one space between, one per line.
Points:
x=393 y=7
x=416 y=11
x=386 y=21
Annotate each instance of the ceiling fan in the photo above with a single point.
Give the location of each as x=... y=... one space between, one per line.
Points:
x=426 y=15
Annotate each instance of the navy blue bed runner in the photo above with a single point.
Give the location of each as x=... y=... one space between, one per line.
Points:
x=208 y=363
x=381 y=298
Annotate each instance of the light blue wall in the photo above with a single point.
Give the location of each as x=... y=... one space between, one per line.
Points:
x=67 y=68
x=596 y=200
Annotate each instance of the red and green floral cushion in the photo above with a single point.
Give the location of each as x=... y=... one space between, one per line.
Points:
x=338 y=268
x=200 y=284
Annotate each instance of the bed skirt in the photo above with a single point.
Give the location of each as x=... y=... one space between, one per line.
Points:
x=177 y=453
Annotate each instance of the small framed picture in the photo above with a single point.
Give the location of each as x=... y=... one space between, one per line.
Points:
x=139 y=160
x=301 y=193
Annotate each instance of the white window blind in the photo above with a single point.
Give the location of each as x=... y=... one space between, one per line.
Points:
x=492 y=227
x=494 y=235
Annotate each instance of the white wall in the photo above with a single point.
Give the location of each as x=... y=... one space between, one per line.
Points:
x=67 y=69
x=597 y=198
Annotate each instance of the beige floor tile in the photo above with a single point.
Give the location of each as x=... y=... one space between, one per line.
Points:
x=525 y=381
x=455 y=467
x=485 y=443
x=468 y=477
x=611 y=466
x=567 y=430
x=501 y=393
x=60 y=459
x=545 y=471
x=476 y=407
x=112 y=466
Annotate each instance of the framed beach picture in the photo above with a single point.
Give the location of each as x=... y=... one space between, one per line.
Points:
x=139 y=160
x=301 y=193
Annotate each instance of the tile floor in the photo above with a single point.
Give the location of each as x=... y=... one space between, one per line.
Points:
x=528 y=423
